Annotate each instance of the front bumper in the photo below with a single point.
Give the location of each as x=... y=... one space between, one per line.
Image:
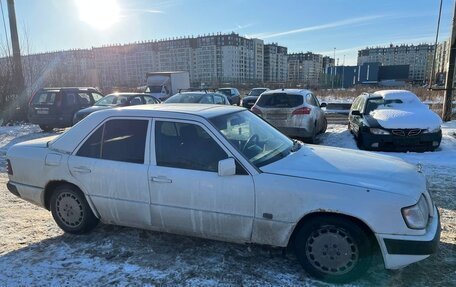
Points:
x=420 y=143
x=401 y=250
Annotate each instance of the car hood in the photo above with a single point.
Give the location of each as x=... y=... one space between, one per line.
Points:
x=92 y=109
x=357 y=168
x=417 y=117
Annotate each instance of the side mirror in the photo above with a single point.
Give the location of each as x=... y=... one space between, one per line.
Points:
x=356 y=113
x=227 y=167
x=323 y=105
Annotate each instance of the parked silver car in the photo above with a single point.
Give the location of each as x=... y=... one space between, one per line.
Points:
x=296 y=113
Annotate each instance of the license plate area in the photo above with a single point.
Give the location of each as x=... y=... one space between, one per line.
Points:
x=42 y=111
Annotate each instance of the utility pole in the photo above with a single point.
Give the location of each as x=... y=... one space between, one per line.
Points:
x=431 y=78
x=333 y=74
x=447 y=100
x=18 y=78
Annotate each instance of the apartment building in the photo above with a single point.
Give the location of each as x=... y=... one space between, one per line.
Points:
x=210 y=60
x=418 y=57
x=275 y=63
x=441 y=61
x=306 y=69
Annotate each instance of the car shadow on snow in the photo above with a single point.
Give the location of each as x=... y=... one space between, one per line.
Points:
x=119 y=255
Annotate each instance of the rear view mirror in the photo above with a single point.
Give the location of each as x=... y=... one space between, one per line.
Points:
x=356 y=113
x=323 y=105
x=227 y=167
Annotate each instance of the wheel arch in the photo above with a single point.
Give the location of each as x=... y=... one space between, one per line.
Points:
x=316 y=214
x=53 y=184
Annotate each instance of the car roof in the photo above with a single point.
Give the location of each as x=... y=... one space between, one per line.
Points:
x=69 y=140
x=404 y=95
x=288 y=91
x=69 y=89
x=128 y=94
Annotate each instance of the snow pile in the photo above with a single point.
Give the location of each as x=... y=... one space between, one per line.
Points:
x=407 y=113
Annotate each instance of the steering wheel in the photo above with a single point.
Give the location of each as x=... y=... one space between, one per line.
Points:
x=253 y=140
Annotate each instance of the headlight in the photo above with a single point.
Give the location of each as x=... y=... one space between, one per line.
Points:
x=416 y=216
x=429 y=131
x=376 y=131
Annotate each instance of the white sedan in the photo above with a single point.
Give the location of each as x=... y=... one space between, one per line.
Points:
x=221 y=172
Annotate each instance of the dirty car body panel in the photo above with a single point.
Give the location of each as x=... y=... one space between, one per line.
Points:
x=172 y=179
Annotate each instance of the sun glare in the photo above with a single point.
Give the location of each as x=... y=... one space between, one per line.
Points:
x=100 y=14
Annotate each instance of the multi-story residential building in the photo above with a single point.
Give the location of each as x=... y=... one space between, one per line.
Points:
x=441 y=61
x=418 y=57
x=306 y=69
x=209 y=60
x=275 y=63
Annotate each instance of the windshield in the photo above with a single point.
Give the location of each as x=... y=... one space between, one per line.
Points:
x=112 y=100
x=256 y=92
x=259 y=142
x=191 y=98
x=378 y=103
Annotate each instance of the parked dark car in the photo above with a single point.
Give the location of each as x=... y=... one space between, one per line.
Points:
x=202 y=97
x=55 y=107
x=232 y=94
x=394 y=120
x=116 y=100
x=249 y=100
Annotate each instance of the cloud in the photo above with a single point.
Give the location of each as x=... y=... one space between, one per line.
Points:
x=330 y=25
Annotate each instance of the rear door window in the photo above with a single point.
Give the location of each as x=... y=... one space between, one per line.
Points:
x=46 y=98
x=119 y=140
x=84 y=99
x=311 y=100
x=70 y=99
x=279 y=100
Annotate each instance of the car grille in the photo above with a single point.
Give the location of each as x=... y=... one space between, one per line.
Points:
x=404 y=132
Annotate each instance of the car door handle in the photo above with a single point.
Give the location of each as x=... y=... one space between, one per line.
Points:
x=161 y=179
x=81 y=169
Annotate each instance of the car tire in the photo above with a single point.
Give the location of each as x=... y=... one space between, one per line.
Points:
x=46 y=128
x=71 y=211
x=325 y=126
x=313 y=137
x=333 y=249
x=359 y=141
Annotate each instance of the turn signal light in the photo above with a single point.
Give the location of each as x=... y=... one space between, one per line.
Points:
x=302 y=111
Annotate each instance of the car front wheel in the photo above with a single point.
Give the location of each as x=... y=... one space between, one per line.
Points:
x=71 y=211
x=333 y=249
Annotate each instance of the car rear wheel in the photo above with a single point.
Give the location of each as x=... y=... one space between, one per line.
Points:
x=325 y=126
x=71 y=211
x=333 y=249
x=46 y=128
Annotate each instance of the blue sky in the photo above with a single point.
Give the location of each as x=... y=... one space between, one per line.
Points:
x=301 y=25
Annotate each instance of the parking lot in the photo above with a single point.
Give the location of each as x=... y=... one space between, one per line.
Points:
x=34 y=251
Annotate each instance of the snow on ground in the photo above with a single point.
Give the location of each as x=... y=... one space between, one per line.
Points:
x=35 y=252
